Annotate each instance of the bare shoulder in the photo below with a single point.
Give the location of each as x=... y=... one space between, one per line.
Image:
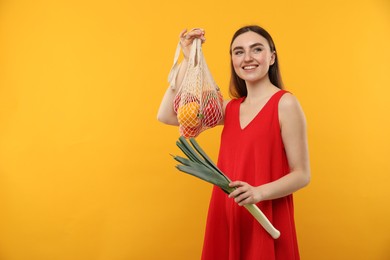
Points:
x=225 y=103
x=290 y=108
x=287 y=101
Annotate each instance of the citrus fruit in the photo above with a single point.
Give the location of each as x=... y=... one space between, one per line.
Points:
x=187 y=115
x=189 y=132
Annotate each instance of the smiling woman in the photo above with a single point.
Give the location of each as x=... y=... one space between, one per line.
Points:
x=251 y=58
x=82 y=156
x=264 y=45
x=263 y=149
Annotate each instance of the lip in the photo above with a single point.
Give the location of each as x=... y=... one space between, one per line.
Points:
x=249 y=67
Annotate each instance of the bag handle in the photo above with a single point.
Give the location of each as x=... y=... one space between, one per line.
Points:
x=175 y=68
x=196 y=52
x=195 y=55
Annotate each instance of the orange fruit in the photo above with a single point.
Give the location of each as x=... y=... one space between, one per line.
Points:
x=187 y=115
x=188 y=132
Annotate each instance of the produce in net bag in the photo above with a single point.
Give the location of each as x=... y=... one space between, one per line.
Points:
x=199 y=102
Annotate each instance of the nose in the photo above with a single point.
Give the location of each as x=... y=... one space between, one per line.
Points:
x=248 y=56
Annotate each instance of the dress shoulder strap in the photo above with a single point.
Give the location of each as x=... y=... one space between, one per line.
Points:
x=278 y=95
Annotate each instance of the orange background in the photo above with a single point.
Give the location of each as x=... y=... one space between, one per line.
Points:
x=85 y=171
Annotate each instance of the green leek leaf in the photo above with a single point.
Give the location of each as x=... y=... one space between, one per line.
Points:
x=206 y=158
x=206 y=176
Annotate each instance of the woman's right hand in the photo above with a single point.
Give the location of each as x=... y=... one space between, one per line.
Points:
x=166 y=113
x=186 y=39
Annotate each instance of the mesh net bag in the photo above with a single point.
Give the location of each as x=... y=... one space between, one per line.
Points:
x=199 y=102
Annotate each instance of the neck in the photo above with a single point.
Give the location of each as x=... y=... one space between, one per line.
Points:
x=260 y=89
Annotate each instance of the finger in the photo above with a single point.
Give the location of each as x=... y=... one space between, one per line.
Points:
x=233 y=184
x=197 y=30
x=236 y=184
x=234 y=194
x=237 y=192
x=195 y=33
x=245 y=201
x=182 y=33
x=242 y=199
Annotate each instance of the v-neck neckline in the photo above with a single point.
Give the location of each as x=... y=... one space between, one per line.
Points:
x=256 y=115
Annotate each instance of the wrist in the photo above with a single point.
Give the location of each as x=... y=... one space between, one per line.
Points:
x=260 y=194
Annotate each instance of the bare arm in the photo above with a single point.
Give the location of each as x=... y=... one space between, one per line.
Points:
x=166 y=114
x=293 y=127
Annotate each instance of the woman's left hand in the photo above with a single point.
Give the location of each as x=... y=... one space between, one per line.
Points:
x=245 y=193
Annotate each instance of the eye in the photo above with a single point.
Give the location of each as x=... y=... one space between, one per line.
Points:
x=257 y=50
x=238 y=52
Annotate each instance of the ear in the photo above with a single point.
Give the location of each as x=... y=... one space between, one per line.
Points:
x=273 y=57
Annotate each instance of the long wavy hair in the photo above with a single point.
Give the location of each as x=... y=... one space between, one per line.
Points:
x=237 y=87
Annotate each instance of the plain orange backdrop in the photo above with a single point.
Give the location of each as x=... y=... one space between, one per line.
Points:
x=85 y=170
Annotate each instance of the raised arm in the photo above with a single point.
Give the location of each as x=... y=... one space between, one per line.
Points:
x=166 y=114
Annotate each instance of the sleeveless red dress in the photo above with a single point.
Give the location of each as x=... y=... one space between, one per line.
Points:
x=254 y=154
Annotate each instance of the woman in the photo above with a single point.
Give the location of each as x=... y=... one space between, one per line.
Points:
x=263 y=149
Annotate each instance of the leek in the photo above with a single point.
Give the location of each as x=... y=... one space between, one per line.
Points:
x=199 y=165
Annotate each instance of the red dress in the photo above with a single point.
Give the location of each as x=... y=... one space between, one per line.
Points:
x=255 y=155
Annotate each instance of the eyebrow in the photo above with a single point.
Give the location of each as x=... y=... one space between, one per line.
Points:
x=250 y=46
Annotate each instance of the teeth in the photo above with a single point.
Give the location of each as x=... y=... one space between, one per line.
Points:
x=249 y=67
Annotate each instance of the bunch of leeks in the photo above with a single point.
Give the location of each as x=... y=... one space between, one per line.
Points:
x=201 y=166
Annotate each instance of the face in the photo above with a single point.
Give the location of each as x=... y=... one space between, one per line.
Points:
x=251 y=57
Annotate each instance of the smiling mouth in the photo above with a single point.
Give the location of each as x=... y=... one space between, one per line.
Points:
x=249 y=67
